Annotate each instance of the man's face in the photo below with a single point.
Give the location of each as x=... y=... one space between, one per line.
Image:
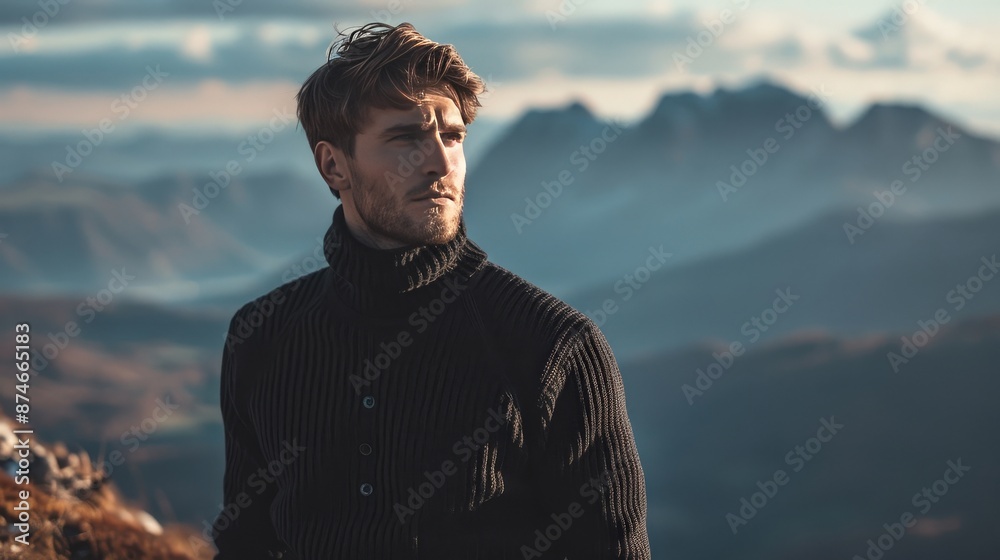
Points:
x=407 y=177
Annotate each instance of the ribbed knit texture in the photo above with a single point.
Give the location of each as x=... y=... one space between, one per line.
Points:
x=424 y=403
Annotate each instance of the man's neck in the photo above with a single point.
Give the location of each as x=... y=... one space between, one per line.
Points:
x=378 y=281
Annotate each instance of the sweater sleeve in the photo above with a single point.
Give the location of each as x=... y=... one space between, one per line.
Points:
x=243 y=528
x=590 y=480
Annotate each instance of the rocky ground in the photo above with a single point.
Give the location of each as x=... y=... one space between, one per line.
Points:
x=75 y=513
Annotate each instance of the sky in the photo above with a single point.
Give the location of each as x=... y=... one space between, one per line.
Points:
x=234 y=63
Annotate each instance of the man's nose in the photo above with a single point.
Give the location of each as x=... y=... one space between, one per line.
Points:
x=438 y=160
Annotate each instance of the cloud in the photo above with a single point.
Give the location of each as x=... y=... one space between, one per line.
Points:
x=926 y=40
x=206 y=102
x=91 y=58
x=197 y=44
x=608 y=61
x=292 y=51
x=12 y=12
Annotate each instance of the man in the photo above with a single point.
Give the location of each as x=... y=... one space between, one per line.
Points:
x=414 y=399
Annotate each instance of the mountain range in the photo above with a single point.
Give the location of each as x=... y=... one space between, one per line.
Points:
x=657 y=182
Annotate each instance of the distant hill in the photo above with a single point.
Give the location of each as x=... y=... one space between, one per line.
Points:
x=895 y=273
x=702 y=452
x=70 y=237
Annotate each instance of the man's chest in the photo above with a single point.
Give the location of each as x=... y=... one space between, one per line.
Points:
x=402 y=420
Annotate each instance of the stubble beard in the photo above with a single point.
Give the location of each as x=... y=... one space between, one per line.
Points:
x=386 y=216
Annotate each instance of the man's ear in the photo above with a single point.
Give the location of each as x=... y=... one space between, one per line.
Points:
x=332 y=165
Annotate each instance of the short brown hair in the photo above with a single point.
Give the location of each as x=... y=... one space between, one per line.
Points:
x=380 y=66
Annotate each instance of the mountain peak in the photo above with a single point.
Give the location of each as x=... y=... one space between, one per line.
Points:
x=763 y=88
x=898 y=119
x=762 y=97
x=670 y=103
x=573 y=117
x=571 y=111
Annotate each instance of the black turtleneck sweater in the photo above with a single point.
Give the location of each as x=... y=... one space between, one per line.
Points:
x=423 y=402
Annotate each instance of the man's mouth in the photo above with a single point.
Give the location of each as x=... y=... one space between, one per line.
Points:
x=436 y=196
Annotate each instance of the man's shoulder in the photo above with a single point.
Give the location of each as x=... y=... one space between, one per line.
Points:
x=266 y=316
x=512 y=301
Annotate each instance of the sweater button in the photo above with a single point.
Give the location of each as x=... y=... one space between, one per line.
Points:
x=365 y=449
x=366 y=489
x=369 y=402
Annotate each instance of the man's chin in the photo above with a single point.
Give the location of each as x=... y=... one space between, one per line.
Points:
x=436 y=226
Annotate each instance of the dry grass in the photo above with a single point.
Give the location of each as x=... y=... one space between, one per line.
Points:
x=100 y=527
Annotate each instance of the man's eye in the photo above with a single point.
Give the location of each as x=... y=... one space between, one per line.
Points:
x=453 y=136
x=404 y=137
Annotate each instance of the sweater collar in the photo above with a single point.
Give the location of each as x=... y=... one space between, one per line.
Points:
x=385 y=282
